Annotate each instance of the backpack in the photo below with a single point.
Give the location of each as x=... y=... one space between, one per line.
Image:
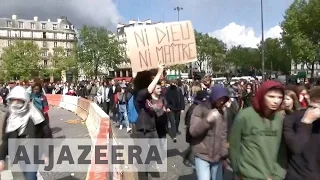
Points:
x=132 y=112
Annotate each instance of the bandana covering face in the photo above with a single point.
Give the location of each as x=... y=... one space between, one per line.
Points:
x=21 y=112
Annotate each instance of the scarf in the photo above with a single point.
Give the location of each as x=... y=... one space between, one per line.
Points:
x=18 y=119
x=37 y=100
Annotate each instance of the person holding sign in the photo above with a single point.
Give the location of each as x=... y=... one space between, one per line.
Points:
x=144 y=85
x=143 y=88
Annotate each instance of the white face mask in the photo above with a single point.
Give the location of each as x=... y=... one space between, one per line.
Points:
x=14 y=107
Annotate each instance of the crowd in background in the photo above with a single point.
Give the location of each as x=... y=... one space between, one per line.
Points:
x=262 y=130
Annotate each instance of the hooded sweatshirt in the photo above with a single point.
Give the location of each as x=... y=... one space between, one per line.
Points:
x=209 y=139
x=23 y=120
x=256 y=149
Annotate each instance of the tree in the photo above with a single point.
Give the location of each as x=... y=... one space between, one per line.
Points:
x=276 y=56
x=21 y=60
x=179 y=68
x=301 y=32
x=243 y=58
x=60 y=60
x=97 y=49
x=209 y=49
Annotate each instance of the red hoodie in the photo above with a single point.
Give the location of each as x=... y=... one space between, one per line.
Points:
x=258 y=100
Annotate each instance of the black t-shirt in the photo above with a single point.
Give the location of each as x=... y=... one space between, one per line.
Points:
x=146 y=118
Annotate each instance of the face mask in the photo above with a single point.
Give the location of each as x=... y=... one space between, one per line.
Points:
x=16 y=106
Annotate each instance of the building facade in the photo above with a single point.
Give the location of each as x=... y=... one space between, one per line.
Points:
x=47 y=34
x=296 y=68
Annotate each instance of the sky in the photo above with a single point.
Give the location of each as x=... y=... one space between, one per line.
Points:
x=235 y=22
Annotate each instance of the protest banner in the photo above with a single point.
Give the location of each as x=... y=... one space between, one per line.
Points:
x=168 y=43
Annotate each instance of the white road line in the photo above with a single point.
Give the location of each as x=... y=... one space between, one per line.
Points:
x=7 y=175
x=39 y=176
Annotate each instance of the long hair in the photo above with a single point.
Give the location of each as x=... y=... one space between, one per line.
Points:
x=142 y=80
x=296 y=104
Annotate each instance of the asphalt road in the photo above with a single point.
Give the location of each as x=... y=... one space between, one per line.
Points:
x=61 y=129
x=176 y=169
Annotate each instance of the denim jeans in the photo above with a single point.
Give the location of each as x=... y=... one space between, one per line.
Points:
x=30 y=175
x=123 y=118
x=29 y=171
x=174 y=118
x=206 y=170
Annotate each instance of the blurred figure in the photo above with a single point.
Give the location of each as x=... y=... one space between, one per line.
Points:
x=175 y=106
x=200 y=97
x=82 y=91
x=4 y=93
x=122 y=103
x=303 y=97
x=145 y=125
x=208 y=129
x=255 y=137
x=301 y=134
x=291 y=102
x=22 y=121
x=247 y=96
x=39 y=100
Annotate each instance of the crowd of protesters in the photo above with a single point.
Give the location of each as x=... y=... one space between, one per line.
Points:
x=262 y=130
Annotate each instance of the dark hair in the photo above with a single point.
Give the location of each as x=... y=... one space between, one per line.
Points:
x=249 y=84
x=118 y=89
x=37 y=84
x=142 y=80
x=315 y=94
x=179 y=82
x=105 y=81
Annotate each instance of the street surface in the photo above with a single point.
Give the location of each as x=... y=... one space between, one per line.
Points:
x=176 y=169
x=61 y=129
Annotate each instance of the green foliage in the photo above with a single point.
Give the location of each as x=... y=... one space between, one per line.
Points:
x=276 y=56
x=63 y=60
x=60 y=60
x=179 y=67
x=97 y=49
x=301 y=31
x=21 y=60
x=211 y=49
x=241 y=57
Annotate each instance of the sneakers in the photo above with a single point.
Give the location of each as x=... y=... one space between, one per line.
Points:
x=128 y=128
x=156 y=167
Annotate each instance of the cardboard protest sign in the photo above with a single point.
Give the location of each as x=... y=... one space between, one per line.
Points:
x=168 y=43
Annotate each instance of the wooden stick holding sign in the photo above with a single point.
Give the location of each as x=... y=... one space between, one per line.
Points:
x=168 y=43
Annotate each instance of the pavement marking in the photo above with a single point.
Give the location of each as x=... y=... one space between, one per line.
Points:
x=6 y=175
x=39 y=176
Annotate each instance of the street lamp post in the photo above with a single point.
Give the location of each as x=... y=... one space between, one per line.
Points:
x=178 y=9
x=262 y=41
